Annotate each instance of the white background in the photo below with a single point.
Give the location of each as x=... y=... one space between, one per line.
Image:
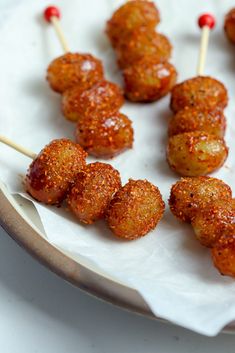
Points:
x=42 y=313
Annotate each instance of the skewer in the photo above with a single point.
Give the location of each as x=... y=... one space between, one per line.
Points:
x=206 y=22
x=52 y=15
x=17 y=147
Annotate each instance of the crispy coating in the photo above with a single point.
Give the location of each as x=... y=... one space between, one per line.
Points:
x=74 y=69
x=54 y=170
x=130 y=16
x=104 y=97
x=223 y=255
x=213 y=221
x=143 y=42
x=149 y=80
x=105 y=135
x=229 y=25
x=94 y=188
x=135 y=209
x=196 y=153
x=196 y=119
x=202 y=92
x=191 y=194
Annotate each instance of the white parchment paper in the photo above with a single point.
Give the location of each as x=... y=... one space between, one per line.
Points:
x=172 y=272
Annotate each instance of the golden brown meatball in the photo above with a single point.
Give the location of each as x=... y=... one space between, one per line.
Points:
x=54 y=170
x=229 y=25
x=202 y=92
x=93 y=190
x=104 y=97
x=74 y=69
x=196 y=153
x=149 y=80
x=195 y=119
x=191 y=194
x=135 y=209
x=105 y=135
x=213 y=221
x=143 y=42
x=128 y=17
x=223 y=255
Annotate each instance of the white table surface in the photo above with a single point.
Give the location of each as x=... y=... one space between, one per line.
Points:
x=41 y=313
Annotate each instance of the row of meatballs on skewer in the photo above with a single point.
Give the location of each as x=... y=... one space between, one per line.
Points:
x=142 y=53
x=93 y=191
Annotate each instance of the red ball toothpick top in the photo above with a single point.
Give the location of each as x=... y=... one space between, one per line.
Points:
x=206 y=20
x=51 y=11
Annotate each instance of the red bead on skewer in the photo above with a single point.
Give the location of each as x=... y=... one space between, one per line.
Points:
x=206 y=22
x=52 y=15
x=51 y=11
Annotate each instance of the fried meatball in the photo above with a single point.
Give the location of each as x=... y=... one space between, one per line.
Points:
x=214 y=220
x=93 y=190
x=223 y=255
x=195 y=119
x=202 y=92
x=130 y=16
x=148 y=80
x=105 y=135
x=74 y=69
x=135 y=209
x=143 y=42
x=104 y=97
x=196 y=153
x=54 y=170
x=191 y=194
x=229 y=25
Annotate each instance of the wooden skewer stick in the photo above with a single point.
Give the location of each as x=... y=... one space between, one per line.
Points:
x=207 y=23
x=17 y=147
x=52 y=15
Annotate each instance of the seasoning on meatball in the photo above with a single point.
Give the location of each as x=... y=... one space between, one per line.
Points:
x=200 y=92
x=196 y=153
x=143 y=42
x=149 y=80
x=229 y=25
x=223 y=255
x=105 y=97
x=212 y=221
x=54 y=170
x=189 y=195
x=130 y=16
x=105 y=135
x=195 y=119
x=93 y=190
x=74 y=69
x=135 y=209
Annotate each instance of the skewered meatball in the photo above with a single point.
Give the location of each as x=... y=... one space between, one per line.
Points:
x=54 y=170
x=191 y=194
x=194 y=119
x=104 y=97
x=148 y=80
x=132 y=15
x=74 y=69
x=105 y=135
x=94 y=188
x=213 y=221
x=196 y=153
x=143 y=42
x=229 y=25
x=199 y=92
x=135 y=209
x=223 y=255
